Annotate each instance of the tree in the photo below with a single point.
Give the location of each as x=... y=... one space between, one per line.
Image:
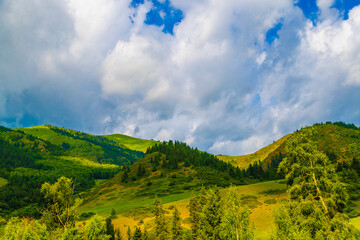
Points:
x=211 y=215
x=128 y=233
x=317 y=198
x=195 y=209
x=236 y=220
x=137 y=234
x=110 y=228
x=161 y=231
x=176 y=229
x=24 y=229
x=118 y=234
x=96 y=229
x=61 y=208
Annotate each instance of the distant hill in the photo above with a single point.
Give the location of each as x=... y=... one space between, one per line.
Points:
x=131 y=142
x=243 y=161
x=338 y=140
x=32 y=156
x=95 y=148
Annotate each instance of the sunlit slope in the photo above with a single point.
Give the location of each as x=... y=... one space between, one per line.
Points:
x=244 y=161
x=79 y=144
x=131 y=142
x=261 y=198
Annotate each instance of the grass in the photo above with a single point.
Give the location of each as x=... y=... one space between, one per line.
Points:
x=130 y=211
x=3 y=182
x=244 y=161
x=131 y=142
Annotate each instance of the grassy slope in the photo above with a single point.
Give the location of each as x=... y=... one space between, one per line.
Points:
x=244 y=161
x=131 y=142
x=78 y=147
x=3 y=182
x=131 y=211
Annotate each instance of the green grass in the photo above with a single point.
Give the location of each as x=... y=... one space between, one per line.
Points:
x=244 y=161
x=355 y=222
x=131 y=210
x=131 y=142
x=3 y=182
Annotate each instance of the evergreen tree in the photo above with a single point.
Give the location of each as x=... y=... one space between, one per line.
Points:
x=110 y=228
x=161 y=231
x=128 y=233
x=176 y=229
x=137 y=234
x=195 y=209
x=211 y=215
x=146 y=234
x=118 y=234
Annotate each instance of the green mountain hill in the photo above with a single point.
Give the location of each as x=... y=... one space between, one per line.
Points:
x=95 y=148
x=131 y=142
x=243 y=161
x=124 y=173
x=32 y=156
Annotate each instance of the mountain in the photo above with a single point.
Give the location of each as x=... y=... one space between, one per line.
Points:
x=243 y=161
x=131 y=142
x=132 y=196
x=32 y=156
x=124 y=173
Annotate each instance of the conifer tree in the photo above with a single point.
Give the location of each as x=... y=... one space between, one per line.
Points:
x=110 y=228
x=128 y=233
x=211 y=215
x=195 y=209
x=161 y=231
x=137 y=234
x=118 y=234
x=176 y=230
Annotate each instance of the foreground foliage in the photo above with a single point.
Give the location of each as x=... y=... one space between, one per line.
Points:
x=317 y=198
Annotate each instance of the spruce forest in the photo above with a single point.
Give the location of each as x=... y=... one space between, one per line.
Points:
x=57 y=183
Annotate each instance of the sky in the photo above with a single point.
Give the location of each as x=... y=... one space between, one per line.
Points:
x=227 y=77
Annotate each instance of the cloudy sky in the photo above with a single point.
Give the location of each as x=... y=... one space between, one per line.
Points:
x=225 y=76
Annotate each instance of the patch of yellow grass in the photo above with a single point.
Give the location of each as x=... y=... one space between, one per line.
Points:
x=244 y=161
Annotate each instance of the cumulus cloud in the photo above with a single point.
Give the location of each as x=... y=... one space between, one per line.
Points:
x=216 y=83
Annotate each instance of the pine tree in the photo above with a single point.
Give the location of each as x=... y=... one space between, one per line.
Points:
x=176 y=230
x=211 y=215
x=195 y=209
x=128 y=233
x=110 y=228
x=161 y=231
x=137 y=234
x=118 y=234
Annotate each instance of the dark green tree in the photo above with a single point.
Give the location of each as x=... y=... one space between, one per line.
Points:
x=110 y=228
x=176 y=229
x=137 y=234
x=128 y=233
x=161 y=231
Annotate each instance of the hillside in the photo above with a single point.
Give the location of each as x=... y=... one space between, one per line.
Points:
x=133 y=200
x=31 y=157
x=131 y=142
x=79 y=144
x=243 y=161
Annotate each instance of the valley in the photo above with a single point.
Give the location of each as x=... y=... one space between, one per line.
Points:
x=121 y=174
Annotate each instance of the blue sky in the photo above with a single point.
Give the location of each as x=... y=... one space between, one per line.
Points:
x=225 y=76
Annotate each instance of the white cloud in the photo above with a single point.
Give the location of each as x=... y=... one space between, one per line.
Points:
x=216 y=83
